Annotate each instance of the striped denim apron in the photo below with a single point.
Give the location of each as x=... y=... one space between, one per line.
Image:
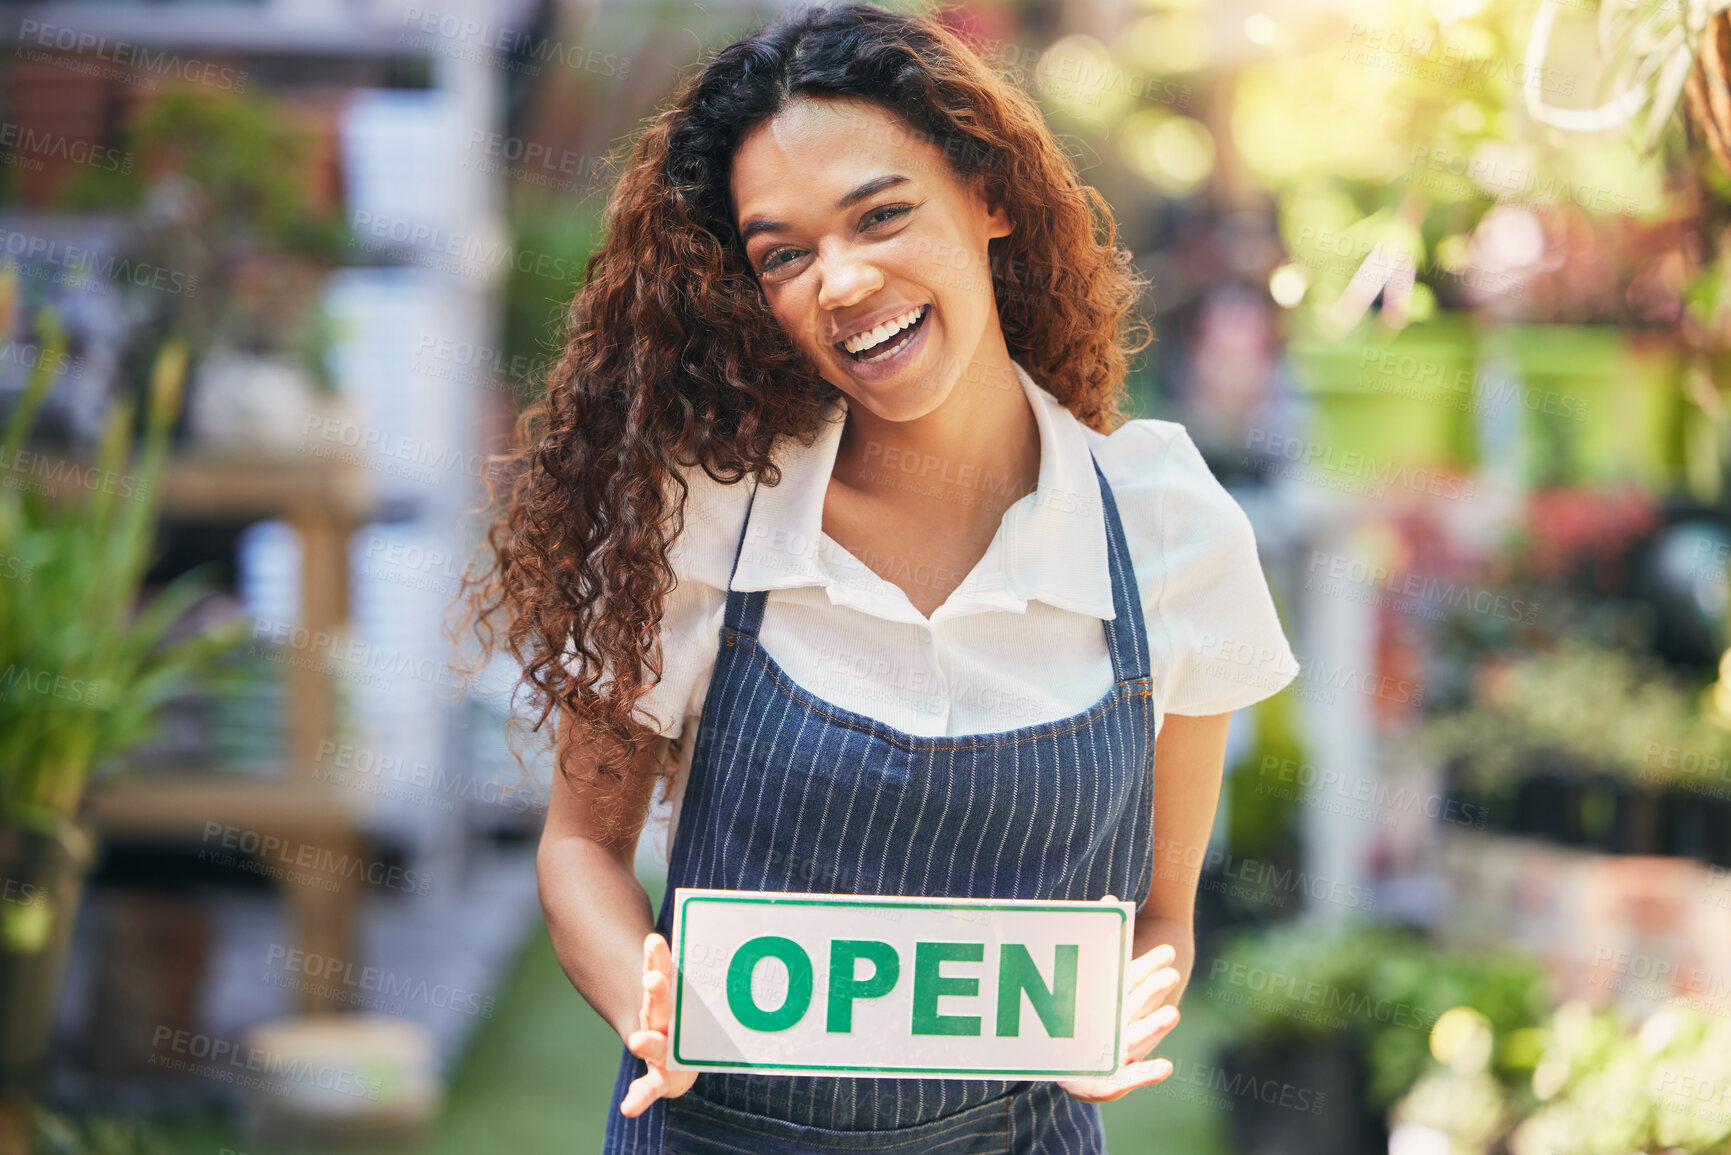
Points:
x=790 y=792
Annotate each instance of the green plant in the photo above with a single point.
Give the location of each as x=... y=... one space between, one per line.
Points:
x=1384 y=987
x=223 y=198
x=243 y=164
x=1652 y=51
x=72 y=1135
x=1261 y=816
x=1410 y=131
x=1600 y=1085
x=1608 y=708
x=82 y=665
x=554 y=241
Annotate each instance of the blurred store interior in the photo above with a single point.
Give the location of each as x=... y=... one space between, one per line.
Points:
x=1439 y=287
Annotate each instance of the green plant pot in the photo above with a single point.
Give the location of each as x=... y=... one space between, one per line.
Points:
x=41 y=881
x=1598 y=405
x=1404 y=398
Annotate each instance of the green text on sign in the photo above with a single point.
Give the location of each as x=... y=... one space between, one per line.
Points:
x=842 y=983
x=1017 y=976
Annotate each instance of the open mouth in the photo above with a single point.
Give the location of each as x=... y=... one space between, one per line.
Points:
x=892 y=344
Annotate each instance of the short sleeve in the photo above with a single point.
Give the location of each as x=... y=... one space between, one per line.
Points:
x=690 y=634
x=701 y=557
x=1216 y=640
x=1228 y=649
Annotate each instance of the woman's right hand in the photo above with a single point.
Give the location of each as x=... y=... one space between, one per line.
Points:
x=649 y=1041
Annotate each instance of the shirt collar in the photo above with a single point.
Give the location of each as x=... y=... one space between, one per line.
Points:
x=1049 y=547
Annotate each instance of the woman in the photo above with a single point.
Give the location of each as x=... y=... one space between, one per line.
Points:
x=828 y=522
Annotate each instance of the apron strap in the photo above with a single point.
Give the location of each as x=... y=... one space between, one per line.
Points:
x=1126 y=633
x=744 y=608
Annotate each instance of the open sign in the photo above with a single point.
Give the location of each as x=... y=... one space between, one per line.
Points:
x=822 y=984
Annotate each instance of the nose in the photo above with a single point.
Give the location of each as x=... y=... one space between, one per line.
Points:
x=846 y=279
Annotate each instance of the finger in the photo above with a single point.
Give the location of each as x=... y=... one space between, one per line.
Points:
x=1152 y=991
x=648 y=961
x=1146 y=964
x=1145 y=1033
x=1127 y=1079
x=650 y=1046
x=644 y=1090
x=660 y=955
x=657 y=1001
x=1144 y=1073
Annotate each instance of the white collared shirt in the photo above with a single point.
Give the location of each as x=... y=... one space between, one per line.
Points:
x=1019 y=641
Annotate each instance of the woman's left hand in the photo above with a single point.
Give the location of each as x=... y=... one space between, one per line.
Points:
x=1151 y=979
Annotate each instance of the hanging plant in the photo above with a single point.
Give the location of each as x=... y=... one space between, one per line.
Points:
x=1659 y=55
x=1707 y=91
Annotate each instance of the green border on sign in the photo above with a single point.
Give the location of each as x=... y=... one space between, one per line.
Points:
x=1023 y=905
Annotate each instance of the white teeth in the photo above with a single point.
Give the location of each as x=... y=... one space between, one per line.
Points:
x=887 y=353
x=871 y=337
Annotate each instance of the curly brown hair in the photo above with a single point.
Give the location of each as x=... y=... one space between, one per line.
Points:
x=673 y=360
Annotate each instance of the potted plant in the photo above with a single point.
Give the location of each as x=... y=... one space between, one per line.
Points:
x=232 y=193
x=1599 y=746
x=1350 y=1013
x=1596 y=400
x=1280 y=989
x=1401 y=397
x=84 y=663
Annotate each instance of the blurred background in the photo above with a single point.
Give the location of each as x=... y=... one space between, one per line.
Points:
x=1439 y=288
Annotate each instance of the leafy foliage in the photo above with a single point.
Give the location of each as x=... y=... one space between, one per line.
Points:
x=81 y=670
x=1600 y=1085
x=1605 y=706
x=1386 y=987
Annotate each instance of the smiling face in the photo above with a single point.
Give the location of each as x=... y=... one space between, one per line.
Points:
x=854 y=223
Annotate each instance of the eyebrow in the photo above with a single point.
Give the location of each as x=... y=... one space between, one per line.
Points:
x=875 y=185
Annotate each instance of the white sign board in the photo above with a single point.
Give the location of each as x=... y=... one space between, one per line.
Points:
x=838 y=984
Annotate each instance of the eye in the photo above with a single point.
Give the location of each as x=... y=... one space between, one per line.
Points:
x=886 y=213
x=878 y=216
x=769 y=260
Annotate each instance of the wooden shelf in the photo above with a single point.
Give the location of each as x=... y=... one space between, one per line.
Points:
x=235 y=487
x=314 y=822
x=311 y=860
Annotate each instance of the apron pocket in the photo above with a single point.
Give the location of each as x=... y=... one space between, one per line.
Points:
x=697 y=1126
